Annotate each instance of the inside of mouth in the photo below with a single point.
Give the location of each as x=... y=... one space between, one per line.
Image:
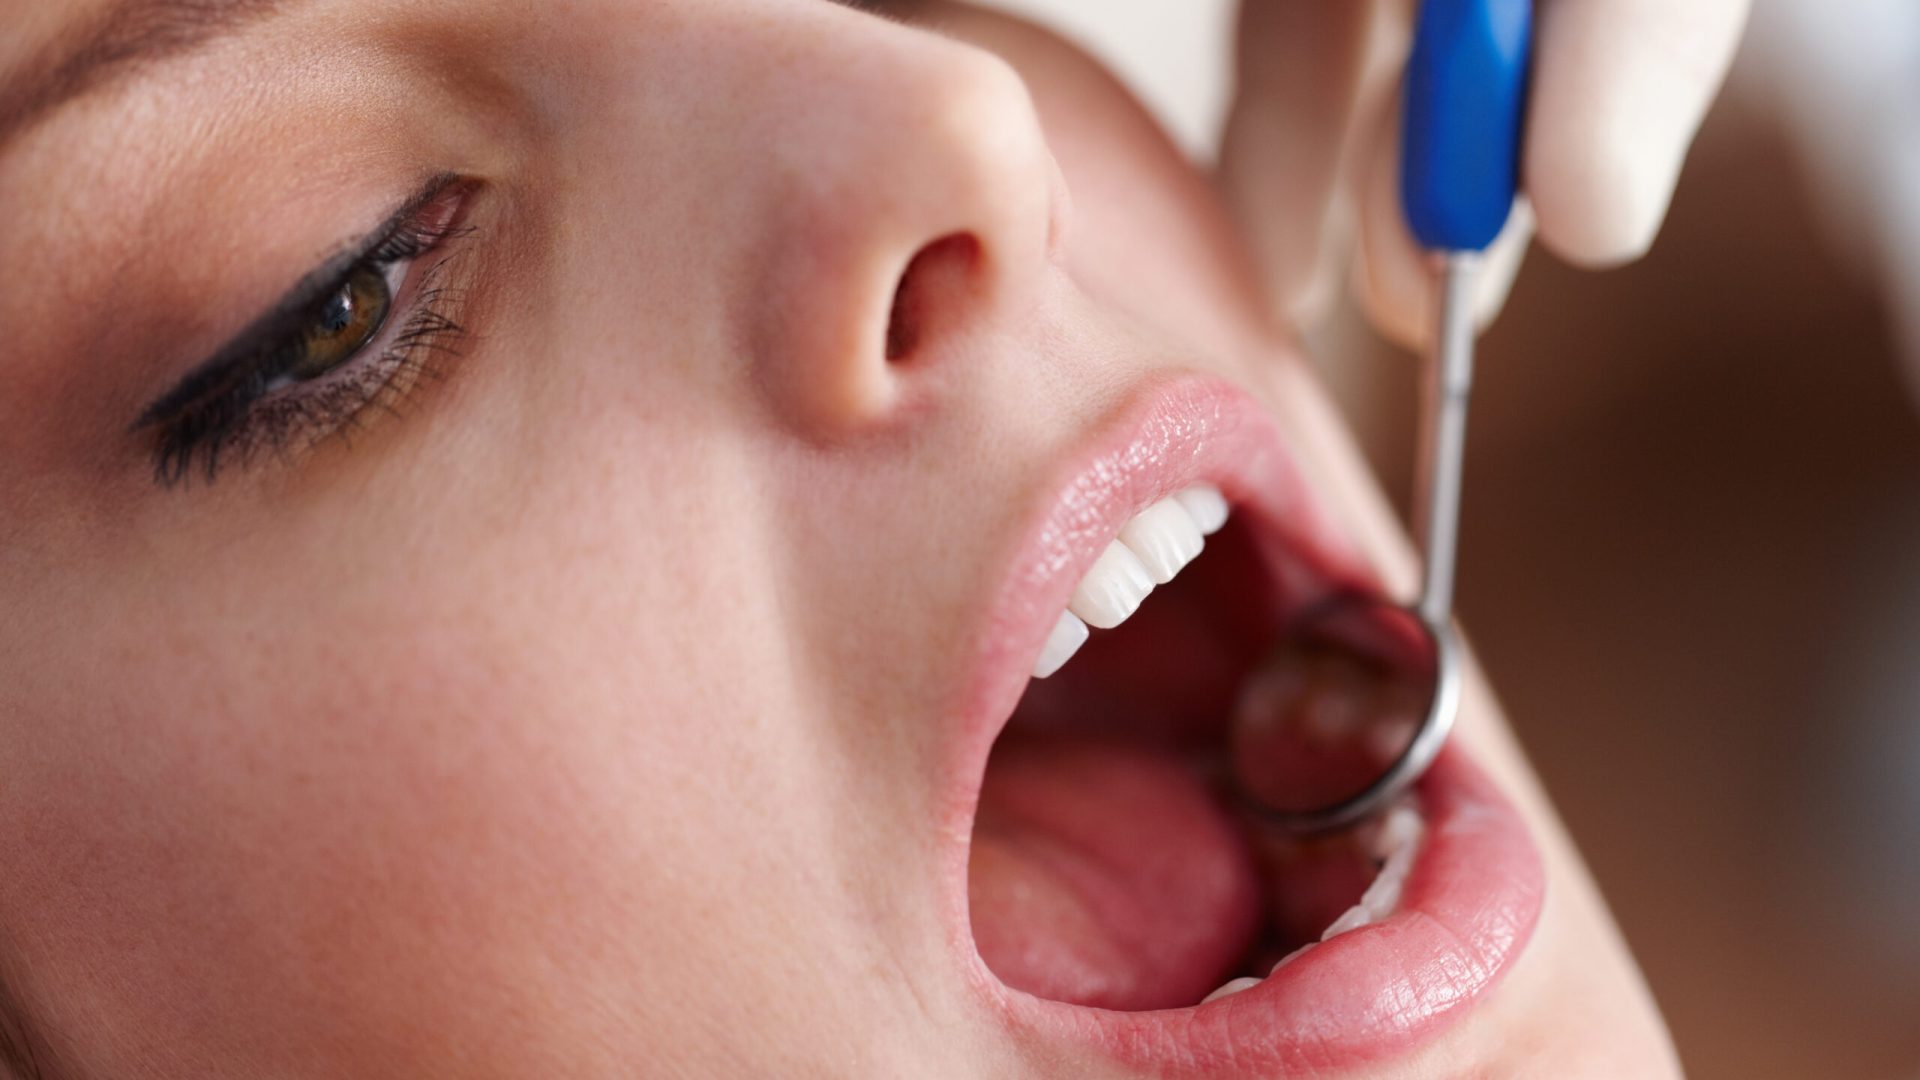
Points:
x=1113 y=861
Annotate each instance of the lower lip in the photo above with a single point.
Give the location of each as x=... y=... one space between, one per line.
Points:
x=1373 y=993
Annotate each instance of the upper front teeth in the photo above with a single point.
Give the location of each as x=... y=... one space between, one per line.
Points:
x=1165 y=538
x=1066 y=638
x=1151 y=549
x=1112 y=589
x=1207 y=505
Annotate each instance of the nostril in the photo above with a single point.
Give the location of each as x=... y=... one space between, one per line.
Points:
x=936 y=278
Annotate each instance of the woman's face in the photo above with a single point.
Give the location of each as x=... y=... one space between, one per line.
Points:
x=523 y=523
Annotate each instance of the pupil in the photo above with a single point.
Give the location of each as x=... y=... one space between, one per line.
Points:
x=340 y=326
x=338 y=313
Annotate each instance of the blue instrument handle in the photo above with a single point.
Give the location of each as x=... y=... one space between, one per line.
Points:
x=1466 y=92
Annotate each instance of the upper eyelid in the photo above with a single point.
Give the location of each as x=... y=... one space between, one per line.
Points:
x=289 y=314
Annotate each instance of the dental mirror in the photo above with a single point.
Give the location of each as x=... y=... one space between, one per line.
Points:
x=1356 y=701
x=1357 y=698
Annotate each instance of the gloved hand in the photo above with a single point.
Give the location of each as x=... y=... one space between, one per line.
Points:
x=1310 y=157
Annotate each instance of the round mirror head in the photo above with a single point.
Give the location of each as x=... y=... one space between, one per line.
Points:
x=1347 y=709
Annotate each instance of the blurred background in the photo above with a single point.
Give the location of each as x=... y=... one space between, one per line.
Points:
x=1691 y=556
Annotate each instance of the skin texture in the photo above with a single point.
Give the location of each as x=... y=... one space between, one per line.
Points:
x=533 y=726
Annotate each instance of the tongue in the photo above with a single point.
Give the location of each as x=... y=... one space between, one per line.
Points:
x=1107 y=875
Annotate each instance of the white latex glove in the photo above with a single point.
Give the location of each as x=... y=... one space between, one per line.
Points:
x=1310 y=158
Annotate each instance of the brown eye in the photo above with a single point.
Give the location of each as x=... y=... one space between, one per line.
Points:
x=343 y=325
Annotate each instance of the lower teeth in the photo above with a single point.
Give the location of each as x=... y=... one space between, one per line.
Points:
x=1231 y=988
x=1394 y=842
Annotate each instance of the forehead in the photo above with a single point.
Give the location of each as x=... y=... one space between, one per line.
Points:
x=52 y=53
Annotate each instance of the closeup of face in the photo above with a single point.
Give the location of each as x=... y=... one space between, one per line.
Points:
x=522 y=525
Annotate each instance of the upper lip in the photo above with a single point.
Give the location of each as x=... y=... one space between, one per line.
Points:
x=1475 y=892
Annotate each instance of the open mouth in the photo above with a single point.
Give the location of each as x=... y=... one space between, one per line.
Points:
x=1110 y=866
x=1116 y=884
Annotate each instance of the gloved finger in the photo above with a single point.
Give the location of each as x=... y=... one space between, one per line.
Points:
x=1305 y=70
x=1393 y=277
x=1619 y=89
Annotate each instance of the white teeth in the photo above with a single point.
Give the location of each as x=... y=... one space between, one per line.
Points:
x=1288 y=959
x=1207 y=505
x=1393 y=842
x=1156 y=544
x=1232 y=987
x=1165 y=538
x=1112 y=588
x=1065 y=640
x=1396 y=842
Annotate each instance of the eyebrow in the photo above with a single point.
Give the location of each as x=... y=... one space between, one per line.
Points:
x=122 y=36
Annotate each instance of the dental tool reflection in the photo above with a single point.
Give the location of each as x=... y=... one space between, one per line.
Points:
x=1153 y=546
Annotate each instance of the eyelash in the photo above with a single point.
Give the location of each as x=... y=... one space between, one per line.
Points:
x=246 y=417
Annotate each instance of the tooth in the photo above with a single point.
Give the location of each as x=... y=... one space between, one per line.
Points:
x=1062 y=642
x=1399 y=832
x=1112 y=588
x=1165 y=538
x=1207 y=505
x=1232 y=987
x=1288 y=959
x=1397 y=842
x=1353 y=918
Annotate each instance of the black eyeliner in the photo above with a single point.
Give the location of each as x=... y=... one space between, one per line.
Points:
x=238 y=359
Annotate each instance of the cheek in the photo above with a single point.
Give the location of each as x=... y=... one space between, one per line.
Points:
x=450 y=767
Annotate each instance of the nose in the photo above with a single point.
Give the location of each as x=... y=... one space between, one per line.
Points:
x=917 y=205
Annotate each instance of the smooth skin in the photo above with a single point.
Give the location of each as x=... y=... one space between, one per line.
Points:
x=571 y=718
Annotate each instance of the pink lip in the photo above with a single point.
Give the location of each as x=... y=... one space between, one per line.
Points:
x=1475 y=893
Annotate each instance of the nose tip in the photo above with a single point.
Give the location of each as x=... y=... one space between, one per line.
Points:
x=926 y=207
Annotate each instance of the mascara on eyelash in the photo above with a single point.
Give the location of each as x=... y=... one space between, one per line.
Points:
x=272 y=421
x=226 y=368
x=230 y=405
